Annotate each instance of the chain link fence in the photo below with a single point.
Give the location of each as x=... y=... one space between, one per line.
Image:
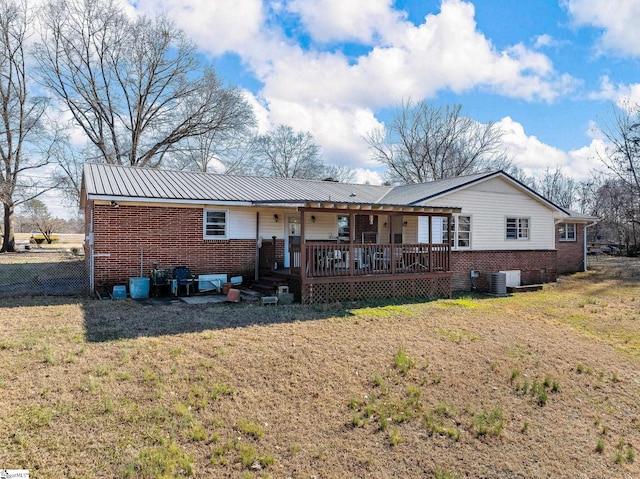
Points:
x=44 y=272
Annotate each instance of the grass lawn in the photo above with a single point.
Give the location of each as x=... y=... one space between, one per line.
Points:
x=543 y=384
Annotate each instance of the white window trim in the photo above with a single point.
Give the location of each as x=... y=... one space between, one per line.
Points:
x=575 y=232
x=518 y=228
x=454 y=233
x=204 y=224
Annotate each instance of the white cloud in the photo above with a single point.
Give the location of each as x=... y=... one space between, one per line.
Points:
x=618 y=20
x=334 y=96
x=534 y=156
x=217 y=26
x=355 y=20
x=621 y=94
x=340 y=131
x=445 y=52
x=367 y=176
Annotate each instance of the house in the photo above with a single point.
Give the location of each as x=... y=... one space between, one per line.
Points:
x=329 y=241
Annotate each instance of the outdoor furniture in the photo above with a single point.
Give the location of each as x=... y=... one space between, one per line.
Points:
x=160 y=278
x=211 y=282
x=183 y=277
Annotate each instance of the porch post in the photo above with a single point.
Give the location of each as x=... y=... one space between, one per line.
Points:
x=303 y=247
x=257 y=265
x=352 y=234
x=449 y=242
x=430 y=242
x=392 y=253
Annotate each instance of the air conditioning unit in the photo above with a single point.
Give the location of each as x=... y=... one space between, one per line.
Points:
x=498 y=284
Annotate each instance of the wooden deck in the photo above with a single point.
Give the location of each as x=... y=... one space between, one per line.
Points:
x=343 y=272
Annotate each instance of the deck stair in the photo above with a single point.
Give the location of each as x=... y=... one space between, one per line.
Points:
x=268 y=284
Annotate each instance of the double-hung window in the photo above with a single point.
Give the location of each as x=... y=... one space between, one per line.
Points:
x=517 y=228
x=567 y=232
x=215 y=224
x=460 y=231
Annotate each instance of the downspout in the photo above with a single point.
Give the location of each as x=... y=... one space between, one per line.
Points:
x=584 y=246
x=91 y=253
x=257 y=262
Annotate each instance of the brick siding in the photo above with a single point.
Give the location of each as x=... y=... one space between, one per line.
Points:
x=163 y=236
x=570 y=253
x=536 y=266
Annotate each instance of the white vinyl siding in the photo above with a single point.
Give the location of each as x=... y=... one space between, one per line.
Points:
x=489 y=203
x=410 y=230
x=567 y=232
x=215 y=224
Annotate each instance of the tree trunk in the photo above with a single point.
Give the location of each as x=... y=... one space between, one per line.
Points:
x=8 y=240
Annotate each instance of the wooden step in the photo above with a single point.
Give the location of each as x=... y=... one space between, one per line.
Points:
x=263 y=288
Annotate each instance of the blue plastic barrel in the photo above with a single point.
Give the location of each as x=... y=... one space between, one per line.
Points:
x=139 y=287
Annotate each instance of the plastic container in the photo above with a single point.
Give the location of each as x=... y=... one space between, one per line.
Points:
x=139 y=287
x=119 y=292
x=233 y=296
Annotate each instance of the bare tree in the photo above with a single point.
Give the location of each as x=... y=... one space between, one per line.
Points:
x=424 y=142
x=618 y=207
x=136 y=87
x=22 y=120
x=288 y=154
x=341 y=174
x=622 y=154
x=556 y=187
x=38 y=215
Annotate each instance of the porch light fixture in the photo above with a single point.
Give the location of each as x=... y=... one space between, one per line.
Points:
x=275 y=218
x=313 y=219
x=405 y=223
x=114 y=204
x=385 y=225
x=371 y=219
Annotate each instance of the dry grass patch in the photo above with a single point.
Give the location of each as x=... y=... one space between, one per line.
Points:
x=404 y=389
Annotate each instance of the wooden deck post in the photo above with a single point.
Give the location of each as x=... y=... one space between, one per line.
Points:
x=303 y=247
x=430 y=242
x=448 y=267
x=352 y=234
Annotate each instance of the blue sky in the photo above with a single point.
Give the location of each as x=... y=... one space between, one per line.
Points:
x=546 y=71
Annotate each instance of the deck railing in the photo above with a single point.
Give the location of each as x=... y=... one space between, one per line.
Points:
x=331 y=259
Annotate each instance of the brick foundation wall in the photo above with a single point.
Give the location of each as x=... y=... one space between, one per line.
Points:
x=166 y=236
x=570 y=253
x=536 y=266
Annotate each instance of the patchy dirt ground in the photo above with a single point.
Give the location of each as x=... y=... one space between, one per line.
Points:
x=542 y=384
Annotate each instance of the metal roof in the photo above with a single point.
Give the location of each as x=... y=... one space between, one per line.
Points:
x=113 y=181
x=581 y=217
x=416 y=193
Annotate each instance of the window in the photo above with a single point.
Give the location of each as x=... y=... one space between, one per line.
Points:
x=343 y=228
x=517 y=229
x=460 y=231
x=567 y=232
x=215 y=224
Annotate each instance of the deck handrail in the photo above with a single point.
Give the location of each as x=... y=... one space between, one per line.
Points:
x=342 y=259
